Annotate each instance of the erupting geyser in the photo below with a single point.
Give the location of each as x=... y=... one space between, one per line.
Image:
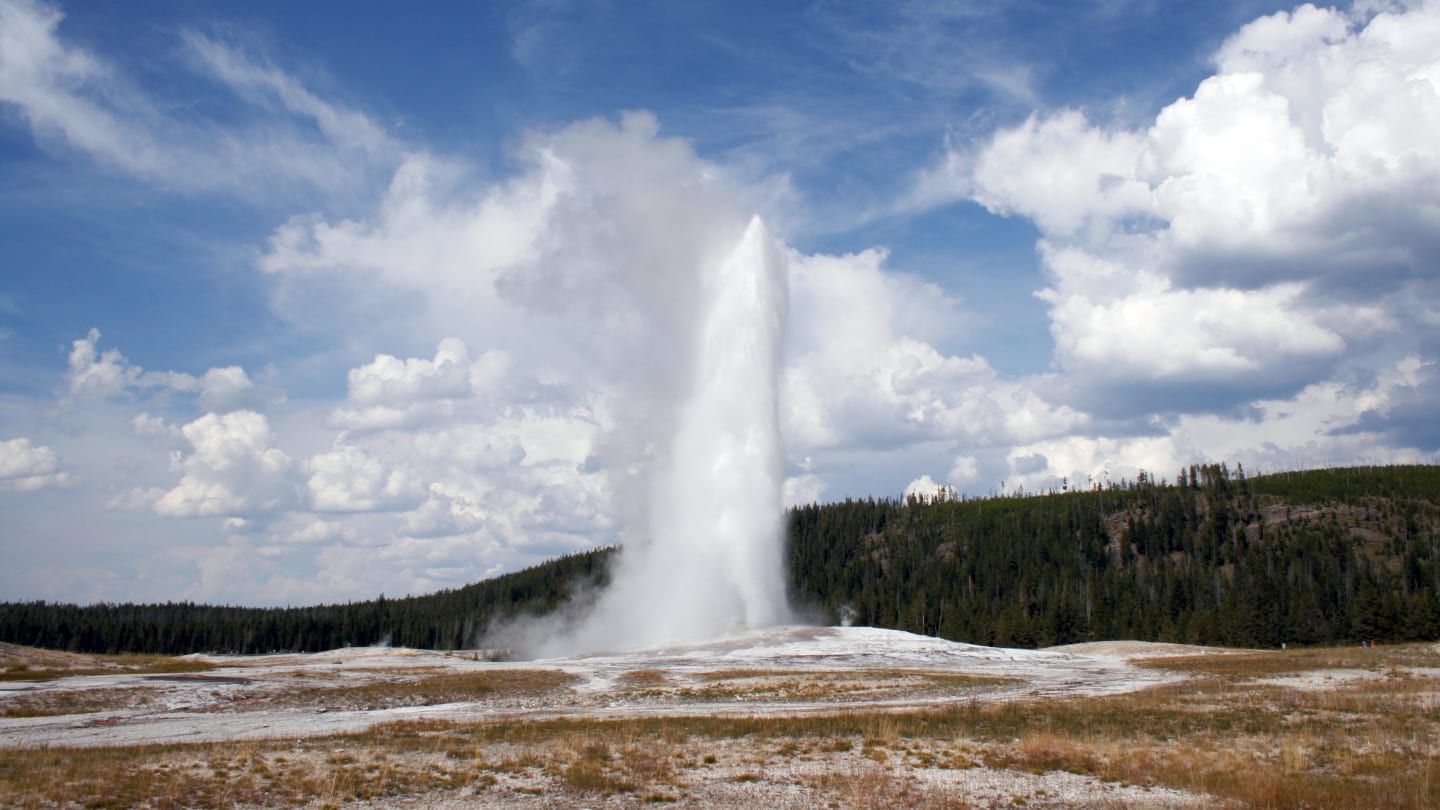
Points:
x=711 y=558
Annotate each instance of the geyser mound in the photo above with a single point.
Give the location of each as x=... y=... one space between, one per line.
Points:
x=710 y=558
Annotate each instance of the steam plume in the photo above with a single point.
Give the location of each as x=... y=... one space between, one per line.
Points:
x=711 y=559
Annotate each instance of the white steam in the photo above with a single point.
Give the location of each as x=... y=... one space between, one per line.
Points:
x=710 y=559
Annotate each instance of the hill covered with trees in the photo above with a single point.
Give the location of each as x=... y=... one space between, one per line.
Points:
x=448 y=620
x=1324 y=556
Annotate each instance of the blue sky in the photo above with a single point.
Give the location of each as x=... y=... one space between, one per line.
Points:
x=291 y=289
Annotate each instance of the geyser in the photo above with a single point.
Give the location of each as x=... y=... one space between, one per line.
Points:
x=710 y=558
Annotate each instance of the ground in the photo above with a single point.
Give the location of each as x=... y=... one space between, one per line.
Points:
x=792 y=717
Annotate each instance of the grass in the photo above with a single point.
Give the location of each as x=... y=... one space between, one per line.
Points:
x=421 y=688
x=822 y=685
x=1273 y=663
x=72 y=701
x=1366 y=743
x=645 y=678
x=105 y=665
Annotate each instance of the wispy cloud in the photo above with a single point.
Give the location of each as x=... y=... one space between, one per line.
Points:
x=76 y=101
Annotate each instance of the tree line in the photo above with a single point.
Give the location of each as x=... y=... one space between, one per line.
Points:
x=1314 y=557
x=447 y=620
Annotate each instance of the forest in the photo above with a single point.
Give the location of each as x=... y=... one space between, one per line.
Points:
x=1317 y=557
x=447 y=620
x=1343 y=555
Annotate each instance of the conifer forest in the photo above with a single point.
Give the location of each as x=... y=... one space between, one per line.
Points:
x=1345 y=555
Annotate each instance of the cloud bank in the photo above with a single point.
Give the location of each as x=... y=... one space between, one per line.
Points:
x=1248 y=273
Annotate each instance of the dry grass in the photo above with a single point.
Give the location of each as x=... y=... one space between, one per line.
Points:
x=825 y=685
x=1365 y=743
x=48 y=670
x=88 y=701
x=420 y=688
x=645 y=679
x=1264 y=664
x=874 y=787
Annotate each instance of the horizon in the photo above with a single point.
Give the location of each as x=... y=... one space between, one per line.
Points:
x=303 y=305
x=795 y=618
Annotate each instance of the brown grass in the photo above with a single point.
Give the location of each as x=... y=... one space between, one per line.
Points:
x=645 y=678
x=1270 y=663
x=827 y=685
x=420 y=688
x=103 y=665
x=73 y=701
x=1370 y=743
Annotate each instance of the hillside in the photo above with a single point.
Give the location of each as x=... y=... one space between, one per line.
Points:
x=1299 y=558
x=447 y=620
x=1323 y=556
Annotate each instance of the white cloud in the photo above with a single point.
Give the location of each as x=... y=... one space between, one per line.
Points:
x=964 y=473
x=1156 y=331
x=1062 y=173
x=1251 y=275
x=348 y=479
x=429 y=256
x=232 y=469
x=1223 y=281
x=1322 y=425
x=226 y=389
x=1082 y=461
x=26 y=467
x=73 y=99
x=95 y=375
x=99 y=375
x=925 y=488
x=53 y=85
x=263 y=83
x=387 y=417
x=390 y=393
x=1256 y=235
x=863 y=369
x=802 y=490
x=389 y=379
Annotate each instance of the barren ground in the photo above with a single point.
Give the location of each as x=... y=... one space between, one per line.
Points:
x=794 y=717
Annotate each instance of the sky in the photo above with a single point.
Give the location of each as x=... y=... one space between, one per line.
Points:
x=311 y=302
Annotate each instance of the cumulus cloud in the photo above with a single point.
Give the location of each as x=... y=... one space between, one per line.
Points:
x=97 y=374
x=925 y=489
x=93 y=374
x=1312 y=117
x=26 y=467
x=565 y=274
x=1069 y=177
x=232 y=469
x=1243 y=262
x=348 y=479
x=230 y=388
x=576 y=252
x=432 y=249
x=389 y=379
x=1249 y=275
x=391 y=393
x=868 y=388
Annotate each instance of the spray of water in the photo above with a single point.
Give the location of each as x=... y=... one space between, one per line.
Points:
x=711 y=560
